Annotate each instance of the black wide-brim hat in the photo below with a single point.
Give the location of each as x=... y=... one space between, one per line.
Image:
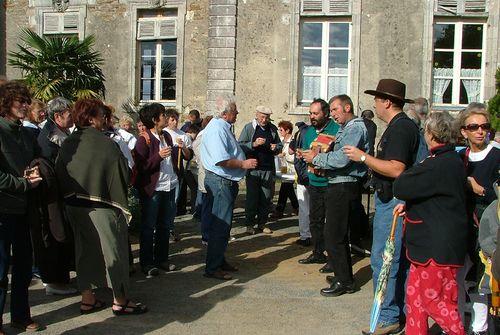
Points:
x=390 y=88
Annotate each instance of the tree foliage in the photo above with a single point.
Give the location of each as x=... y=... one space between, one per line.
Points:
x=494 y=104
x=59 y=66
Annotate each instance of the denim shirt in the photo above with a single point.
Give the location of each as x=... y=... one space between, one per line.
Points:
x=339 y=168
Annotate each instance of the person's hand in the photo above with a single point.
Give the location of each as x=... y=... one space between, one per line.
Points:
x=180 y=142
x=248 y=164
x=258 y=141
x=353 y=153
x=308 y=155
x=165 y=152
x=478 y=189
x=399 y=209
x=34 y=181
x=298 y=153
x=273 y=146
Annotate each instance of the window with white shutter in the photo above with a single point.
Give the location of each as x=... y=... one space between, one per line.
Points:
x=157 y=38
x=67 y=23
x=325 y=7
x=461 y=7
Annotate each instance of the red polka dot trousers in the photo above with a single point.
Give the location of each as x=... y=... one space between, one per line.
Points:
x=431 y=291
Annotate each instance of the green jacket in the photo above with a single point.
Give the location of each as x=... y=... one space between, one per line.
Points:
x=18 y=148
x=90 y=166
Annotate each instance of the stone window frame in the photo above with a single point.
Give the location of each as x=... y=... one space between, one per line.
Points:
x=491 y=54
x=294 y=107
x=133 y=7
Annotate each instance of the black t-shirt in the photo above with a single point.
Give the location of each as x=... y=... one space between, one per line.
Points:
x=371 y=128
x=399 y=142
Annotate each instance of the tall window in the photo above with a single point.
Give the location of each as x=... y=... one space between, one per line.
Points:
x=157 y=35
x=458 y=62
x=324 y=60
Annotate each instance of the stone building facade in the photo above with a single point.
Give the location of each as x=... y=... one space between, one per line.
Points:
x=280 y=53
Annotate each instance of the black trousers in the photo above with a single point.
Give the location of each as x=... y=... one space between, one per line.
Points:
x=188 y=180
x=340 y=199
x=286 y=192
x=317 y=216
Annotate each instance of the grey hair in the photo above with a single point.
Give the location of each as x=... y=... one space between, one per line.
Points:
x=440 y=126
x=126 y=119
x=421 y=105
x=57 y=105
x=223 y=104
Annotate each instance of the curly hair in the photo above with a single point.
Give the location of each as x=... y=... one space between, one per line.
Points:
x=85 y=110
x=10 y=92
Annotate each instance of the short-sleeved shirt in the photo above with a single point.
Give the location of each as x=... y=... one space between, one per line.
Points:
x=218 y=145
x=399 y=142
x=310 y=136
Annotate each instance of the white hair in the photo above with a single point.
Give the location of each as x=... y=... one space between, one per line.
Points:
x=223 y=104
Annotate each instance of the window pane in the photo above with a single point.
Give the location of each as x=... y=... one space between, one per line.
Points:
x=444 y=35
x=470 y=90
x=472 y=37
x=168 y=67
x=148 y=49
x=311 y=87
x=148 y=67
x=169 y=48
x=147 y=89
x=471 y=61
x=443 y=59
x=338 y=60
x=337 y=85
x=339 y=35
x=311 y=34
x=311 y=61
x=167 y=89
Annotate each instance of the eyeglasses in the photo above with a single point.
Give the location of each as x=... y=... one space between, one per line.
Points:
x=475 y=126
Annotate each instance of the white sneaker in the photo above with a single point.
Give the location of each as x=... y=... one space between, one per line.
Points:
x=52 y=289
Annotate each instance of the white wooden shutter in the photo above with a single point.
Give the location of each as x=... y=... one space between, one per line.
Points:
x=71 y=22
x=312 y=5
x=52 y=23
x=157 y=28
x=338 y=6
x=146 y=29
x=475 y=6
x=447 y=6
x=167 y=28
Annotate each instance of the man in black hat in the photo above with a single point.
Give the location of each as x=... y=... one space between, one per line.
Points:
x=396 y=152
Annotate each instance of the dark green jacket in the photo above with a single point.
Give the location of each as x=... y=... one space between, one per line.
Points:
x=91 y=167
x=18 y=148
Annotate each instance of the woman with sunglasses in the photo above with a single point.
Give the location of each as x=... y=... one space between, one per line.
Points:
x=482 y=161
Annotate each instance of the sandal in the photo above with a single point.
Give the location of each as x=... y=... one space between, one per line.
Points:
x=129 y=310
x=28 y=325
x=96 y=306
x=219 y=274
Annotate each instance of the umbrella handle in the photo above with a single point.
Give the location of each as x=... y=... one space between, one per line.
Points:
x=393 y=228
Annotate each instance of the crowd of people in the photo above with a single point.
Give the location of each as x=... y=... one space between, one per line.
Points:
x=68 y=170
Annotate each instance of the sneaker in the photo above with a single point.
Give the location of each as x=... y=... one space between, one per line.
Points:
x=266 y=230
x=167 y=267
x=204 y=243
x=151 y=271
x=54 y=289
x=383 y=329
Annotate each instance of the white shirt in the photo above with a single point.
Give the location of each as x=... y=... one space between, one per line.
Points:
x=127 y=137
x=126 y=151
x=167 y=181
x=177 y=133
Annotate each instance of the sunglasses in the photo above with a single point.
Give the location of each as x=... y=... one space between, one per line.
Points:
x=475 y=126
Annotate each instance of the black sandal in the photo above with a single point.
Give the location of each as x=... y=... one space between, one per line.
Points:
x=96 y=306
x=130 y=310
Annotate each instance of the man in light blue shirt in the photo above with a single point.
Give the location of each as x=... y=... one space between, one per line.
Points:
x=225 y=165
x=344 y=188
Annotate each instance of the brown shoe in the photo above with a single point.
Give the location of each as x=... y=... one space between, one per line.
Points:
x=382 y=329
x=219 y=274
x=28 y=325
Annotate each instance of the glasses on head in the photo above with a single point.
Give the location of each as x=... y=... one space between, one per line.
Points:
x=475 y=126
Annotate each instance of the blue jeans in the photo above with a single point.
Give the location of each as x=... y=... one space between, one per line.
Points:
x=198 y=205
x=205 y=216
x=221 y=194
x=158 y=214
x=393 y=305
x=15 y=235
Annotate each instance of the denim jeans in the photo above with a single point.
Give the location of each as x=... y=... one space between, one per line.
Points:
x=205 y=216
x=15 y=236
x=221 y=194
x=393 y=306
x=158 y=214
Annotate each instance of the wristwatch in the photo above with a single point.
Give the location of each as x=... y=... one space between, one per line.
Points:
x=363 y=158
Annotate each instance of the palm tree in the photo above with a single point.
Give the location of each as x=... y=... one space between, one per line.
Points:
x=59 y=66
